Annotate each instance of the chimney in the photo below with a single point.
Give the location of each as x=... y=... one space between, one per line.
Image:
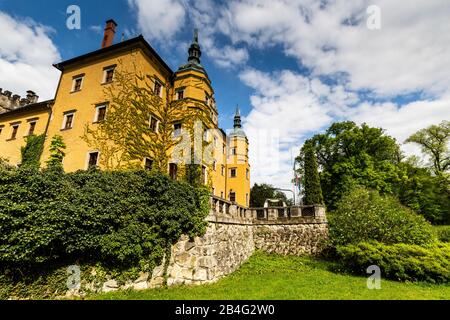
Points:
x=32 y=97
x=110 y=31
x=7 y=93
x=15 y=100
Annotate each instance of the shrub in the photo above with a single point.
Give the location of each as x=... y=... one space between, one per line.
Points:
x=399 y=261
x=443 y=233
x=120 y=219
x=364 y=215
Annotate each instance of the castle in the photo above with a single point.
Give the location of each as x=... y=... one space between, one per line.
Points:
x=80 y=101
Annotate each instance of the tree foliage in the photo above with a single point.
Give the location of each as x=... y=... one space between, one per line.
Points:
x=350 y=155
x=434 y=142
x=119 y=219
x=364 y=215
x=57 y=154
x=125 y=137
x=312 y=188
x=259 y=193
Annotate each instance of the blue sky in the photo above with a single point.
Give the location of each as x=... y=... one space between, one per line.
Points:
x=293 y=66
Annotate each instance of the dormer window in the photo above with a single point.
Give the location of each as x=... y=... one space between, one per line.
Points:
x=180 y=94
x=108 y=74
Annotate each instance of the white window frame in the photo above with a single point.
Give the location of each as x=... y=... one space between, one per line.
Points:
x=177 y=132
x=105 y=72
x=65 y=120
x=97 y=108
x=150 y=123
x=161 y=88
x=145 y=160
x=89 y=156
x=177 y=93
x=75 y=80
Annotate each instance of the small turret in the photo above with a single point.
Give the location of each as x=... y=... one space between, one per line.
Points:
x=237 y=118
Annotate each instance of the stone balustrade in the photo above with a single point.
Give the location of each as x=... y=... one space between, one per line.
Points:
x=227 y=209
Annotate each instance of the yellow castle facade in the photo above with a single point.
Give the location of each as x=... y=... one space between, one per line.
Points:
x=80 y=101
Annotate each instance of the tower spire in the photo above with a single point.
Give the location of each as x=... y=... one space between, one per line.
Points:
x=237 y=118
x=194 y=50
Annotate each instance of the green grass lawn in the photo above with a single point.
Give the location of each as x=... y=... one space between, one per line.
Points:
x=276 y=277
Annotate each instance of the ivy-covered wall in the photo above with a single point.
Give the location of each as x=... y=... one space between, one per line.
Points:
x=119 y=220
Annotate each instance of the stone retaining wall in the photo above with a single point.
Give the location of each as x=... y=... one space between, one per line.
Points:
x=228 y=242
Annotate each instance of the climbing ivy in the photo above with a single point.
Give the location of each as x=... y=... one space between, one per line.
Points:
x=32 y=151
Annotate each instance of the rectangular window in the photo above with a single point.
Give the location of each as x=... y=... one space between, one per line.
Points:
x=180 y=94
x=232 y=196
x=173 y=171
x=247 y=173
x=15 y=128
x=224 y=149
x=213 y=191
x=233 y=172
x=148 y=164
x=215 y=142
x=32 y=128
x=108 y=74
x=214 y=165
x=158 y=88
x=68 y=121
x=100 y=113
x=221 y=194
x=77 y=83
x=177 y=129
x=153 y=124
x=204 y=175
x=93 y=159
x=246 y=199
x=223 y=170
x=207 y=98
x=233 y=151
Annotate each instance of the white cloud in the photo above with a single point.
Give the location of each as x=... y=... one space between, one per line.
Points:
x=26 y=57
x=288 y=107
x=409 y=53
x=159 y=19
x=165 y=22
x=97 y=29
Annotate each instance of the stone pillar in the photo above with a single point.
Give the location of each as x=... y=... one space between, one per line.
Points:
x=319 y=212
x=272 y=214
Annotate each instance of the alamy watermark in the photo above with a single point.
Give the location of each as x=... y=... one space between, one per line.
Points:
x=374 y=281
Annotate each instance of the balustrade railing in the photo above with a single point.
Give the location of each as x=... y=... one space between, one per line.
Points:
x=227 y=208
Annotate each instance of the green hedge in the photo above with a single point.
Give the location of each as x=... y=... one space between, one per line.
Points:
x=364 y=215
x=399 y=261
x=443 y=233
x=121 y=219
